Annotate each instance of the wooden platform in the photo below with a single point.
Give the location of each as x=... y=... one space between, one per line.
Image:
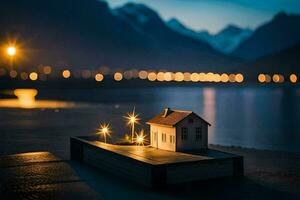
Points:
x=153 y=167
x=42 y=175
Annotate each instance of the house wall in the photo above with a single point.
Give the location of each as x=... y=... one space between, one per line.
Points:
x=169 y=131
x=191 y=142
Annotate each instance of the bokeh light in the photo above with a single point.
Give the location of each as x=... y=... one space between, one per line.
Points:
x=210 y=77
x=217 y=78
x=224 y=78
x=232 y=78
x=66 y=73
x=276 y=78
x=168 y=76
x=2 y=71
x=202 y=77
x=152 y=76
x=99 y=77
x=293 y=78
x=281 y=78
x=179 y=76
x=33 y=76
x=160 y=76
x=11 y=51
x=239 y=78
x=128 y=75
x=195 y=77
x=261 y=78
x=47 y=70
x=135 y=73
x=24 y=76
x=143 y=74
x=187 y=76
x=118 y=76
x=268 y=78
x=13 y=73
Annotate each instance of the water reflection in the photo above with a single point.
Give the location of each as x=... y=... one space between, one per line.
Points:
x=209 y=110
x=259 y=117
x=26 y=99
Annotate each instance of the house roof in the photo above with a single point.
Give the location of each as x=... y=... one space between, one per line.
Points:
x=172 y=117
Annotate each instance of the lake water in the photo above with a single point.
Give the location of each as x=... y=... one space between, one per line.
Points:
x=255 y=117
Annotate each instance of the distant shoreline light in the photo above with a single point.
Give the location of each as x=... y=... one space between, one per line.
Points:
x=66 y=73
x=47 y=72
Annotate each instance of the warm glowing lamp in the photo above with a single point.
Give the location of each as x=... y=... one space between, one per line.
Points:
x=132 y=120
x=140 y=138
x=104 y=130
x=11 y=51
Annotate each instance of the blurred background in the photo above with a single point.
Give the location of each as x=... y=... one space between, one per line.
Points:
x=68 y=65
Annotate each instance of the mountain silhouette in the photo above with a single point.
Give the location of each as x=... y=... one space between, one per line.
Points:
x=280 y=33
x=88 y=34
x=285 y=61
x=224 y=41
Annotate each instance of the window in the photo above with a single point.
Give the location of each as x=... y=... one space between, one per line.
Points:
x=184 y=133
x=191 y=120
x=154 y=136
x=198 y=133
x=163 y=137
x=172 y=139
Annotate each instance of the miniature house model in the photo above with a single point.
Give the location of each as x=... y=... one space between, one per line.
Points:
x=177 y=130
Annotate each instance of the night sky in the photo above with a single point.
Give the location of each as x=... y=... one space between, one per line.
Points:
x=213 y=15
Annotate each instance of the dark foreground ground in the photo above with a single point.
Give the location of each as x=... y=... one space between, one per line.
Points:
x=268 y=175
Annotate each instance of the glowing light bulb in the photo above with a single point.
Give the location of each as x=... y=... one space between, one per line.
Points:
x=104 y=130
x=11 y=51
x=140 y=138
x=132 y=119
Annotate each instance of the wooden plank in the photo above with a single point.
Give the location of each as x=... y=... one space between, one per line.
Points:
x=154 y=167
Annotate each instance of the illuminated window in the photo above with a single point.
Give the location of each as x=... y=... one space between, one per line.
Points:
x=154 y=136
x=172 y=139
x=163 y=137
x=198 y=133
x=184 y=133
